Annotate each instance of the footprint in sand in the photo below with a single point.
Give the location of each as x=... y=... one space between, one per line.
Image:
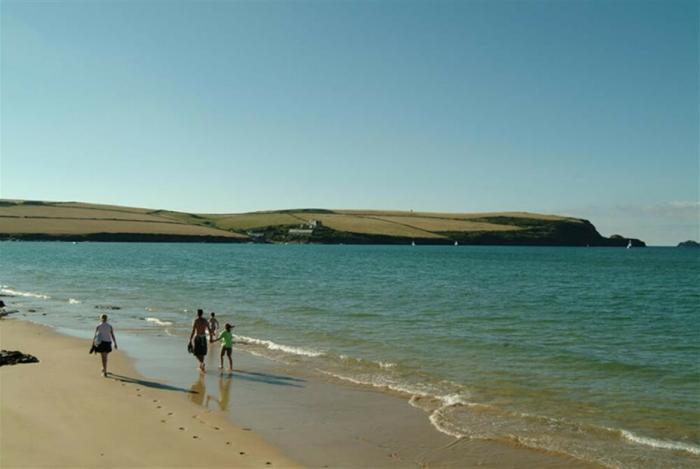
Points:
x=170 y=413
x=228 y=443
x=242 y=452
x=247 y=429
x=162 y=421
x=268 y=463
x=138 y=395
x=155 y=400
x=195 y=436
x=182 y=428
x=158 y=407
x=216 y=428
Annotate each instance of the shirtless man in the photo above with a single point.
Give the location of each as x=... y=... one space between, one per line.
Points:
x=198 y=337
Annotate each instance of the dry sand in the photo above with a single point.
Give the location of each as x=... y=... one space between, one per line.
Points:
x=61 y=412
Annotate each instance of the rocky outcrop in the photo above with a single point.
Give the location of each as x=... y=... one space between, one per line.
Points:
x=689 y=244
x=621 y=241
x=14 y=357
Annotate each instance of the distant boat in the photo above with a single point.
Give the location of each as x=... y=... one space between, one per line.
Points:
x=456 y=243
x=629 y=244
x=413 y=243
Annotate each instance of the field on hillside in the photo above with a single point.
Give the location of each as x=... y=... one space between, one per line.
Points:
x=458 y=216
x=62 y=220
x=83 y=219
x=375 y=222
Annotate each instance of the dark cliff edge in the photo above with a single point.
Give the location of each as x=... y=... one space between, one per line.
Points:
x=689 y=244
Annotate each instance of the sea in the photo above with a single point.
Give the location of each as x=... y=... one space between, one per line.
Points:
x=590 y=352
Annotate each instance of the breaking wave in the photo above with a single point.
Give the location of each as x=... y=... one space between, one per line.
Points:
x=158 y=322
x=26 y=294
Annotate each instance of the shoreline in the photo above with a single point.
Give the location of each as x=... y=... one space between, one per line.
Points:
x=62 y=412
x=294 y=416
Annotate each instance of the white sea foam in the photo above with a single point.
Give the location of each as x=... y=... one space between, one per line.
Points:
x=159 y=322
x=27 y=294
x=382 y=384
x=417 y=393
x=654 y=443
x=281 y=347
x=73 y=301
x=442 y=425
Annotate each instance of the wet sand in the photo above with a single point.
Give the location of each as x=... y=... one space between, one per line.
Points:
x=62 y=412
x=270 y=411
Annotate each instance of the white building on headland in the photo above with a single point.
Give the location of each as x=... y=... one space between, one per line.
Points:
x=300 y=232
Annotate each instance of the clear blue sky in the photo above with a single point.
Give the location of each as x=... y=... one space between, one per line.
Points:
x=585 y=108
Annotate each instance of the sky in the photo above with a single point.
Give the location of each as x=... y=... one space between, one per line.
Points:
x=583 y=108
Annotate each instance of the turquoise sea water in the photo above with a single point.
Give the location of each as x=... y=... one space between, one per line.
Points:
x=589 y=352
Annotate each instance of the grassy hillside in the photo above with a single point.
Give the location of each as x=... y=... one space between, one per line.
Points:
x=77 y=222
x=72 y=221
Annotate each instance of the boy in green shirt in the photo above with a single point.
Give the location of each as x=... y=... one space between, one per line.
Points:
x=226 y=338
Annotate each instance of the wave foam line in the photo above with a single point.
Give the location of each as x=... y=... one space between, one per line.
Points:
x=73 y=301
x=448 y=400
x=281 y=347
x=413 y=392
x=159 y=322
x=27 y=294
x=654 y=443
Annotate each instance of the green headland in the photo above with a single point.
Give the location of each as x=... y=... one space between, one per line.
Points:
x=76 y=221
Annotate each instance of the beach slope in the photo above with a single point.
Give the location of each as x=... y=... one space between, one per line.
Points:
x=61 y=412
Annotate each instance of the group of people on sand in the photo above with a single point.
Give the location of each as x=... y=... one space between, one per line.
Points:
x=197 y=343
x=198 y=339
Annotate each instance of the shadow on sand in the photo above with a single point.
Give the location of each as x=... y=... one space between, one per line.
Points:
x=267 y=378
x=150 y=384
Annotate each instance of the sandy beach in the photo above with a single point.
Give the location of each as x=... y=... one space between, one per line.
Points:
x=61 y=413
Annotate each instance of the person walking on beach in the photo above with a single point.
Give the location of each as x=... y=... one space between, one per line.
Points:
x=104 y=336
x=198 y=338
x=213 y=325
x=226 y=339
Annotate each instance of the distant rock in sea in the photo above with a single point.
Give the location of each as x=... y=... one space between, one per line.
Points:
x=689 y=244
x=13 y=357
x=622 y=241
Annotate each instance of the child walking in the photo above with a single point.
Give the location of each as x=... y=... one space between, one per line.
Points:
x=226 y=338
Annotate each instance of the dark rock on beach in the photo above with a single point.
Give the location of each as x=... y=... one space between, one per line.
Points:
x=7 y=313
x=14 y=357
x=689 y=244
x=107 y=307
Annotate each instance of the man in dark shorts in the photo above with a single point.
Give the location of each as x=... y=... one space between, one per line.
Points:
x=198 y=338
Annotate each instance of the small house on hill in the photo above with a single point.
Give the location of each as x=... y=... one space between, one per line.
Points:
x=300 y=232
